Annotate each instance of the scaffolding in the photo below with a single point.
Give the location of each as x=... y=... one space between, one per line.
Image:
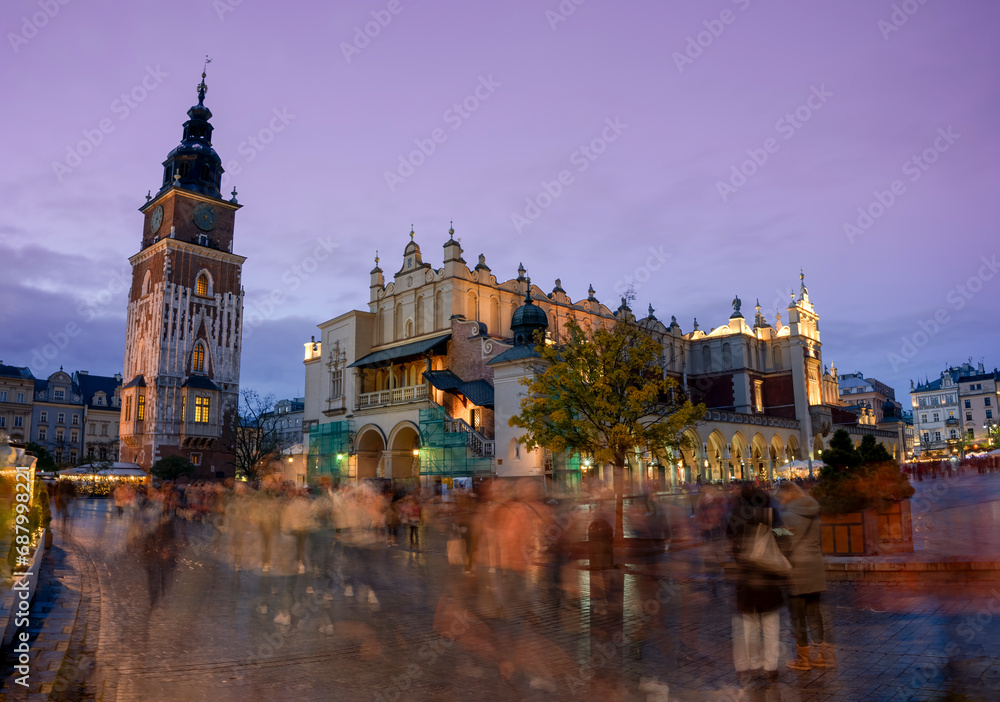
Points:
x=565 y=471
x=329 y=445
x=444 y=453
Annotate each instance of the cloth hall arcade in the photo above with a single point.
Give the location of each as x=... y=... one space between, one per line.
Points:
x=423 y=382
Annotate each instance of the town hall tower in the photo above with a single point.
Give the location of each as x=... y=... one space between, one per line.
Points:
x=185 y=312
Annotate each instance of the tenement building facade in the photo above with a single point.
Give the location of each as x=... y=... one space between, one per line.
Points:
x=423 y=382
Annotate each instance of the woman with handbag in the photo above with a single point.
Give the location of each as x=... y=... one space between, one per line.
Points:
x=759 y=581
x=800 y=513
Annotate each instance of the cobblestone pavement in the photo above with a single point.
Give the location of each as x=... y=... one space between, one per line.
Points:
x=436 y=634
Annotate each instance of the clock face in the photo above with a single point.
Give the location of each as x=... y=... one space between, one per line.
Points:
x=204 y=216
x=156 y=220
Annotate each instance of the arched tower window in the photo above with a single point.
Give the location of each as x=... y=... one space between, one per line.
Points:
x=439 y=318
x=201 y=287
x=185 y=169
x=198 y=358
x=777 y=358
x=145 y=283
x=206 y=173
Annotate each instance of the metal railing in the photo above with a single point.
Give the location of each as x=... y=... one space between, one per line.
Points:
x=480 y=445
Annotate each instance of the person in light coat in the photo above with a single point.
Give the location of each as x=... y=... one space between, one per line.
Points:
x=800 y=515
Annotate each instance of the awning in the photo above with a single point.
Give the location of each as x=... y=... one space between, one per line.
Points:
x=478 y=392
x=381 y=359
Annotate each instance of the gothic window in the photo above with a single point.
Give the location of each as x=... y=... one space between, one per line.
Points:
x=418 y=315
x=777 y=358
x=140 y=409
x=439 y=318
x=706 y=359
x=128 y=408
x=727 y=356
x=201 y=408
x=472 y=312
x=198 y=358
x=201 y=287
x=398 y=321
x=145 y=284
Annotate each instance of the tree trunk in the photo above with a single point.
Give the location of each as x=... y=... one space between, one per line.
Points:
x=618 y=471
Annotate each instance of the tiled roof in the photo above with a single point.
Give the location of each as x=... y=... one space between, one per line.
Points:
x=15 y=372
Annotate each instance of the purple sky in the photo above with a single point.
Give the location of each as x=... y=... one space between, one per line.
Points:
x=880 y=95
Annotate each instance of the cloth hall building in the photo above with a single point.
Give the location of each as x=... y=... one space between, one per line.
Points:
x=422 y=383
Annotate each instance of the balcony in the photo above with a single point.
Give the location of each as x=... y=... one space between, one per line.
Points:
x=389 y=398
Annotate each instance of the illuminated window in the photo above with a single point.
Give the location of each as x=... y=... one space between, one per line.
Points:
x=201 y=287
x=183 y=408
x=201 y=407
x=140 y=409
x=198 y=362
x=196 y=459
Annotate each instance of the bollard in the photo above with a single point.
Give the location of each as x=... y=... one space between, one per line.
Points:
x=601 y=541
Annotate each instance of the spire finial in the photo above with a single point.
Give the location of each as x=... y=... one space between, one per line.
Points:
x=527 y=293
x=451 y=229
x=376 y=257
x=202 y=88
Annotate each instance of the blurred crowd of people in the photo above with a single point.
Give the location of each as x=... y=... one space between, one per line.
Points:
x=520 y=563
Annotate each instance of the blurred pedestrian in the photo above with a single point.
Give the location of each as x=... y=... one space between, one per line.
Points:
x=756 y=626
x=800 y=515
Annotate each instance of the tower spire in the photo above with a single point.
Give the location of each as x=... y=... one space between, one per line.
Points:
x=202 y=88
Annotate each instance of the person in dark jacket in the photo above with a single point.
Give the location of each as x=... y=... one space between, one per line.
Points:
x=800 y=514
x=759 y=598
